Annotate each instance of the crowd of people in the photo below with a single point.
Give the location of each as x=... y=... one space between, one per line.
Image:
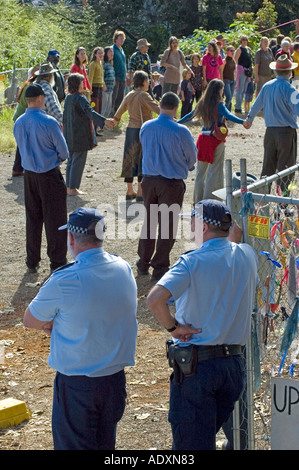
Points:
x=89 y=307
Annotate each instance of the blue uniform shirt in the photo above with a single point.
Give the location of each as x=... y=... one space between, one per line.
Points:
x=280 y=103
x=93 y=303
x=168 y=148
x=40 y=140
x=214 y=289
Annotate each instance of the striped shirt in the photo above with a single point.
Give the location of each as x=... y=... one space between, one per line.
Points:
x=52 y=105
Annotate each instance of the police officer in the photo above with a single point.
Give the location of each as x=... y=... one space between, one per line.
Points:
x=89 y=308
x=213 y=288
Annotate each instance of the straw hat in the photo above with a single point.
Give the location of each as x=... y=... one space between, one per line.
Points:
x=283 y=63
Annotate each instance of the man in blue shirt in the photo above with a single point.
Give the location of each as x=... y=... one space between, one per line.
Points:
x=89 y=308
x=43 y=148
x=213 y=288
x=279 y=100
x=168 y=154
x=120 y=68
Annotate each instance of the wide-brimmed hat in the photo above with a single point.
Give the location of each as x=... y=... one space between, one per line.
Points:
x=283 y=63
x=45 y=69
x=142 y=43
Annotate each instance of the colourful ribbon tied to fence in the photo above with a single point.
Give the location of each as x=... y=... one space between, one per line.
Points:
x=276 y=263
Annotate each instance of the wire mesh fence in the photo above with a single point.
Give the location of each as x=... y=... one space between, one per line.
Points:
x=11 y=81
x=268 y=211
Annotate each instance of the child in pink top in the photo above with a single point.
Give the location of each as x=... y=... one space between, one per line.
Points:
x=212 y=64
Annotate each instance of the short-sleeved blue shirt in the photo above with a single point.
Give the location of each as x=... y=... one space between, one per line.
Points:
x=93 y=303
x=214 y=289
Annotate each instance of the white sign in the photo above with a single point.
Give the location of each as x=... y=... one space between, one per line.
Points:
x=285 y=414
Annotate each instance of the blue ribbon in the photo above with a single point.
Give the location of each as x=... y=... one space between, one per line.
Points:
x=276 y=263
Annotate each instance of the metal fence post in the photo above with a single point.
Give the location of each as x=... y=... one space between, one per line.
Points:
x=249 y=360
x=229 y=203
x=228 y=183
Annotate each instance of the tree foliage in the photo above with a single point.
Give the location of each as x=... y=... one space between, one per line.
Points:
x=245 y=23
x=28 y=32
x=266 y=18
x=36 y=30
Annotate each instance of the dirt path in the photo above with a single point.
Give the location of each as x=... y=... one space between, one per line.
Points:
x=25 y=374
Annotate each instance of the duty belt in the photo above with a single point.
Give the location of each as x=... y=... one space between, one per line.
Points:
x=221 y=350
x=184 y=360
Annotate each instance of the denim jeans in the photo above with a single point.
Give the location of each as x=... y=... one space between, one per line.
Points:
x=240 y=91
x=203 y=403
x=229 y=88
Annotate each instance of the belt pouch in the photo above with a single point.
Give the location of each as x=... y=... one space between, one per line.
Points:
x=184 y=358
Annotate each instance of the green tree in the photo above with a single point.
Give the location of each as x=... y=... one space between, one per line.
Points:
x=36 y=30
x=154 y=19
x=266 y=18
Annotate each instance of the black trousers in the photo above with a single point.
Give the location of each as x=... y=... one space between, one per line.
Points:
x=17 y=166
x=167 y=194
x=45 y=205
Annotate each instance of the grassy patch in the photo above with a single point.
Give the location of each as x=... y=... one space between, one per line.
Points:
x=7 y=140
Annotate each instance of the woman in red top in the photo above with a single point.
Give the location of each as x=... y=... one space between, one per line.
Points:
x=79 y=67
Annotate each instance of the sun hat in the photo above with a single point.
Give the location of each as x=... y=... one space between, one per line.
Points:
x=283 y=63
x=142 y=43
